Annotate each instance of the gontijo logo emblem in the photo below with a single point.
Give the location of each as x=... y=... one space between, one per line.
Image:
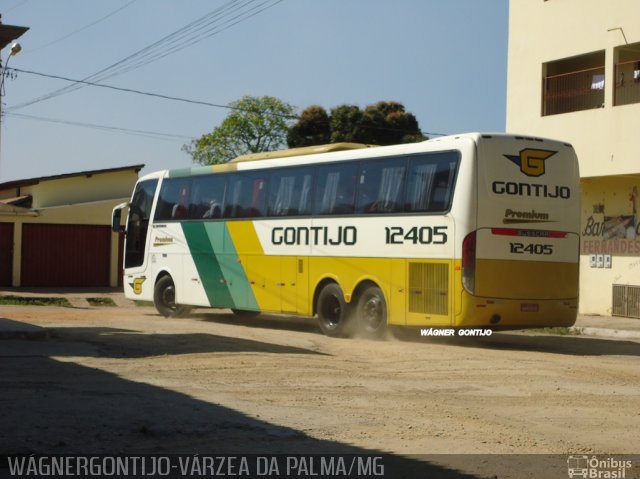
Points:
x=137 y=284
x=531 y=161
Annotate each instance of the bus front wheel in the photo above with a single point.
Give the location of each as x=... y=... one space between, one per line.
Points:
x=333 y=311
x=164 y=298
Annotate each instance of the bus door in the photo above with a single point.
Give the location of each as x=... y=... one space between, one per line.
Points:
x=137 y=237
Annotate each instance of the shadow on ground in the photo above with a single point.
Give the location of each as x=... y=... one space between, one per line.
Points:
x=51 y=406
x=574 y=345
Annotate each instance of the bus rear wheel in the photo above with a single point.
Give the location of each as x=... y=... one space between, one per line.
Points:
x=333 y=311
x=371 y=312
x=164 y=299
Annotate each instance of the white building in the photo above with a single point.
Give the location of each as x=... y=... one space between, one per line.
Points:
x=574 y=74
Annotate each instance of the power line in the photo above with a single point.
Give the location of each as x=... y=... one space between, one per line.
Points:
x=225 y=25
x=175 y=98
x=144 y=133
x=128 y=90
x=19 y=4
x=95 y=22
x=216 y=21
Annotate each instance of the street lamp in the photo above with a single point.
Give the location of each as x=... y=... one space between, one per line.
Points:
x=8 y=34
x=15 y=48
x=13 y=51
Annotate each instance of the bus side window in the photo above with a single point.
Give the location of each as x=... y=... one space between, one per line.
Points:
x=207 y=197
x=336 y=187
x=290 y=192
x=380 y=186
x=431 y=182
x=173 y=201
x=247 y=196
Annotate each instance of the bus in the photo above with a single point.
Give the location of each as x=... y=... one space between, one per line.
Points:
x=470 y=230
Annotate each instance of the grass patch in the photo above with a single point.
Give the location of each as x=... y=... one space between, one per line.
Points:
x=138 y=302
x=101 y=302
x=34 y=301
x=559 y=330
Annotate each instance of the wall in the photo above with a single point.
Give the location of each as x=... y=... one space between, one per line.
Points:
x=610 y=227
x=81 y=189
x=97 y=213
x=605 y=138
x=74 y=199
x=545 y=31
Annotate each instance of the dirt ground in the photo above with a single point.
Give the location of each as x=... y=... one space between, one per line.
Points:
x=124 y=380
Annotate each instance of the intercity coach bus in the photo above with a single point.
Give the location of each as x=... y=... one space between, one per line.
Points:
x=471 y=230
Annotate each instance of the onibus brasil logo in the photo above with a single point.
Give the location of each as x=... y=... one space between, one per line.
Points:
x=595 y=467
x=531 y=161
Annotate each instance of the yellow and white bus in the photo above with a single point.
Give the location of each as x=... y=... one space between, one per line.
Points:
x=471 y=230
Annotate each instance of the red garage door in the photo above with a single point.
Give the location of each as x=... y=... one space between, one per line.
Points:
x=6 y=253
x=65 y=255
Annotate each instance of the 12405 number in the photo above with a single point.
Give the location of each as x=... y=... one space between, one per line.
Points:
x=520 y=248
x=416 y=235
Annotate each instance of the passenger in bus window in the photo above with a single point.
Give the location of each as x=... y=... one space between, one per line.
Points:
x=214 y=210
x=180 y=210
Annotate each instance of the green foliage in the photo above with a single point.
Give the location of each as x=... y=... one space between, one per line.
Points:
x=101 y=302
x=255 y=124
x=346 y=124
x=34 y=301
x=383 y=123
x=312 y=128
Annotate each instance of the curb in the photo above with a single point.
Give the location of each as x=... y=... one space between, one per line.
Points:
x=605 y=333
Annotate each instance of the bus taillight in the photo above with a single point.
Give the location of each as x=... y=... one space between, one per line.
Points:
x=469 y=262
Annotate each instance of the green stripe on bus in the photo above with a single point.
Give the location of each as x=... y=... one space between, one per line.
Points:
x=186 y=172
x=223 y=278
x=234 y=274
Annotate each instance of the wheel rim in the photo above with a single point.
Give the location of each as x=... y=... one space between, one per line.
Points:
x=169 y=297
x=331 y=311
x=372 y=313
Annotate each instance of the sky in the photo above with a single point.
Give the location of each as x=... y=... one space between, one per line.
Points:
x=444 y=60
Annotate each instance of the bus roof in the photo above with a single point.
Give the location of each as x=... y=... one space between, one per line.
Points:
x=305 y=150
x=333 y=151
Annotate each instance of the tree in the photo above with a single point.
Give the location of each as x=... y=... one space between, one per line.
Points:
x=255 y=124
x=404 y=125
x=383 y=123
x=312 y=128
x=345 y=124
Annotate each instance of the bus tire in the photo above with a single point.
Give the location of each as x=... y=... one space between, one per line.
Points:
x=333 y=311
x=164 y=299
x=371 y=313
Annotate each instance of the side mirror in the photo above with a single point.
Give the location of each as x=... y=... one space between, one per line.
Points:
x=116 y=218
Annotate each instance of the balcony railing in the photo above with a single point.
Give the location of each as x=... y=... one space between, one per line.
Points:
x=574 y=91
x=627 y=89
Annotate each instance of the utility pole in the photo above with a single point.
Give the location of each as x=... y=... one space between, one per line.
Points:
x=8 y=34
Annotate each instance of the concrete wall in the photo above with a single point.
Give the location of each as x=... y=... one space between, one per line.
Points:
x=605 y=138
x=84 y=199
x=546 y=31
x=97 y=213
x=609 y=228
